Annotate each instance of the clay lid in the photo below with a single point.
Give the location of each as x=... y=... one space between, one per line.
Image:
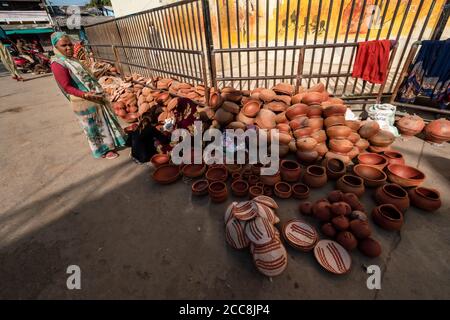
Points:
x=300 y=235
x=245 y=210
x=333 y=257
x=259 y=231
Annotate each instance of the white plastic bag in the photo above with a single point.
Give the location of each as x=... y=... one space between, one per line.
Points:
x=384 y=115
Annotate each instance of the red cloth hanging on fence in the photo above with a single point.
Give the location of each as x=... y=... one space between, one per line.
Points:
x=372 y=59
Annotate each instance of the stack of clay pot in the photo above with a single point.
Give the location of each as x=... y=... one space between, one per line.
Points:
x=344 y=219
x=250 y=224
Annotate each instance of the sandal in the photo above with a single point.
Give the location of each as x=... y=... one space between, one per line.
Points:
x=110 y=155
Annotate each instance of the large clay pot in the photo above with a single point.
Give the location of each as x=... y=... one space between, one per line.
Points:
x=405 y=176
x=388 y=217
x=410 y=125
x=370 y=247
x=340 y=145
x=218 y=191
x=271 y=180
x=369 y=129
x=290 y=170
x=167 y=173
x=382 y=139
x=335 y=168
x=393 y=194
x=300 y=191
x=338 y=132
x=350 y=183
x=283 y=190
x=372 y=177
x=315 y=176
x=306 y=144
x=372 y=159
x=438 y=131
x=427 y=199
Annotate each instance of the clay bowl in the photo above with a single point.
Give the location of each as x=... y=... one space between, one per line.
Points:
x=427 y=199
x=353 y=124
x=312 y=98
x=394 y=157
x=218 y=191
x=219 y=173
x=315 y=176
x=334 y=121
x=315 y=111
x=372 y=159
x=340 y=145
x=290 y=170
x=200 y=187
x=405 y=176
x=239 y=188
x=306 y=144
x=388 y=217
x=251 y=108
x=300 y=191
x=160 y=159
x=351 y=184
x=372 y=177
x=382 y=139
x=335 y=168
x=193 y=170
x=338 y=132
x=283 y=190
x=302 y=132
x=166 y=174
x=255 y=191
x=335 y=110
x=296 y=110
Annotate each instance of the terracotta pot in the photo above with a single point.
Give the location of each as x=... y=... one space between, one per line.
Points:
x=307 y=157
x=394 y=157
x=369 y=129
x=283 y=190
x=388 y=217
x=290 y=170
x=335 y=110
x=218 y=191
x=360 y=229
x=193 y=170
x=334 y=121
x=315 y=176
x=372 y=177
x=353 y=137
x=244 y=119
x=200 y=187
x=353 y=124
x=298 y=97
x=370 y=247
x=253 y=180
x=256 y=168
x=215 y=100
x=321 y=149
x=372 y=159
x=251 y=108
x=283 y=138
x=393 y=194
x=320 y=87
x=166 y=174
x=321 y=210
x=270 y=180
x=306 y=144
x=160 y=159
x=281 y=118
x=315 y=111
x=304 y=132
x=285 y=99
x=236 y=176
x=312 y=98
x=338 y=132
x=284 y=127
x=340 y=208
x=265 y=119
x=300 y=191
x=438 y=131
x=298 y=123
x=296 y=111
x=427 y=199
x=315 y=123
x=362 y=144
x=232 y=168
x=335 y=168
x=350 y=183
x=353 y=200
x=405 y=176
x=335 y=196
x=347 y=240
x=340 y=222
x=239 y=188
x=305 y=208
x=284 y=88
x=340 y=145
x=246 y=173
x=219 y=173
x=328 y=230
x=255 y=191
x=320 y=136
x=382 y=139
x=410 y=125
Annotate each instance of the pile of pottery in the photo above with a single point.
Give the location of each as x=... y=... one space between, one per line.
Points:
x=250 y=224
x=437 y=131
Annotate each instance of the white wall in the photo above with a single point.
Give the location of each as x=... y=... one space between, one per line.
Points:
x=125 y=7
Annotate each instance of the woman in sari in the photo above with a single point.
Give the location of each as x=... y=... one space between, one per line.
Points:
x=85 y=95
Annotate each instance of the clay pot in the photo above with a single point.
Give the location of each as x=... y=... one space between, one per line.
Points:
x=286 y=100
x=350 y=183
x=296 y=111
x=215 y=100
x=382 y=139
x=353 y=201
x=283 y=190
x=388 y=217
x=335 y=196
x=193 y=170
x=372 y=159
x=335 y=168
x=438 y=131
x=410 y=125
x=160 y=159
x=338 y=132
x=255 y=191
x=320 y=136
x=253 y=180
x=284 y=88
x=283 y=138
x=375 y=149
x=244 y=119
x=265 y=119
x=347 y=240
x=218 y=191
x=315 y=123
x=200 y=187
x=394 y=157
x=315 y=111
x=340 y=223
x=306 y=144
x=239 y=188
x=304 y=132
x=166 y=173
x=320 y=87
x=300 y=191
x=305 y=208
x=307 y=157
x=353 y=124
x=340 y=208
x=427 y=199
x=405 y=176
x=284 y=127
x=353 y=137
x=369 y=129
x=372 y=177
x=370 y=247
x=335 y=110
x=236 y=176
x=360 y=229
x=251 y=108
x=297 y=98
x=268 y=191
x=321 y=210
x=219 y=173
x=362 y=144
x=267 y=95
x=393 y=194
x=234 y=108
x=270 y=180
x=321 y=149
x=312 y=98
x=290 y=170
x=315 y=176
x=334 y=121
x=281 y=118
x=328 y=230
x=340 y=145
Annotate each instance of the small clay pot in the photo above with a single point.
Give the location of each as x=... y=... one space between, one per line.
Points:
x=340 y=145
x=373 y=159
x=306 y=144
x=321 y=210
x=362 y=144
x=160 y=159
x=305 y=208
x=236 y=176
x=394 y=194
x=369 y=129
x=382 y=139
x=340 y=223
x=283 y=190
x=315 y=176
x=334 y=121
x=270 y=180
x=303 y=132
x=335 y=110
x=410 y=125
x=328 y=230
x=200 y=187
x=353 y=153
x=239 y=188
x=255 y=191
x=193 y=170
x=354 y=138
x=218 y=191
x=253 y=180
x=218 y=173
x=320 y=136
x=312 y=98
x=405 y=176
x=427 y=199
x=353 y=200
x=167 y=173
x=315 y=111
x=370 y=247
x=300 y=191
x=347 y=240
x=290 y=170
x=335 y=196
x=438 y=131
x=335 y=168
x=353 y=124
x=394 y=157
x=360 y=229
x=372 y=177
x=375 y=149
x=338 y=132
x=388 y=217
x=296 y=111
x=340 y=208
x=350 y=183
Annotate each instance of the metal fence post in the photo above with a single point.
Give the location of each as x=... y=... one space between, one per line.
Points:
x=209 y=45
